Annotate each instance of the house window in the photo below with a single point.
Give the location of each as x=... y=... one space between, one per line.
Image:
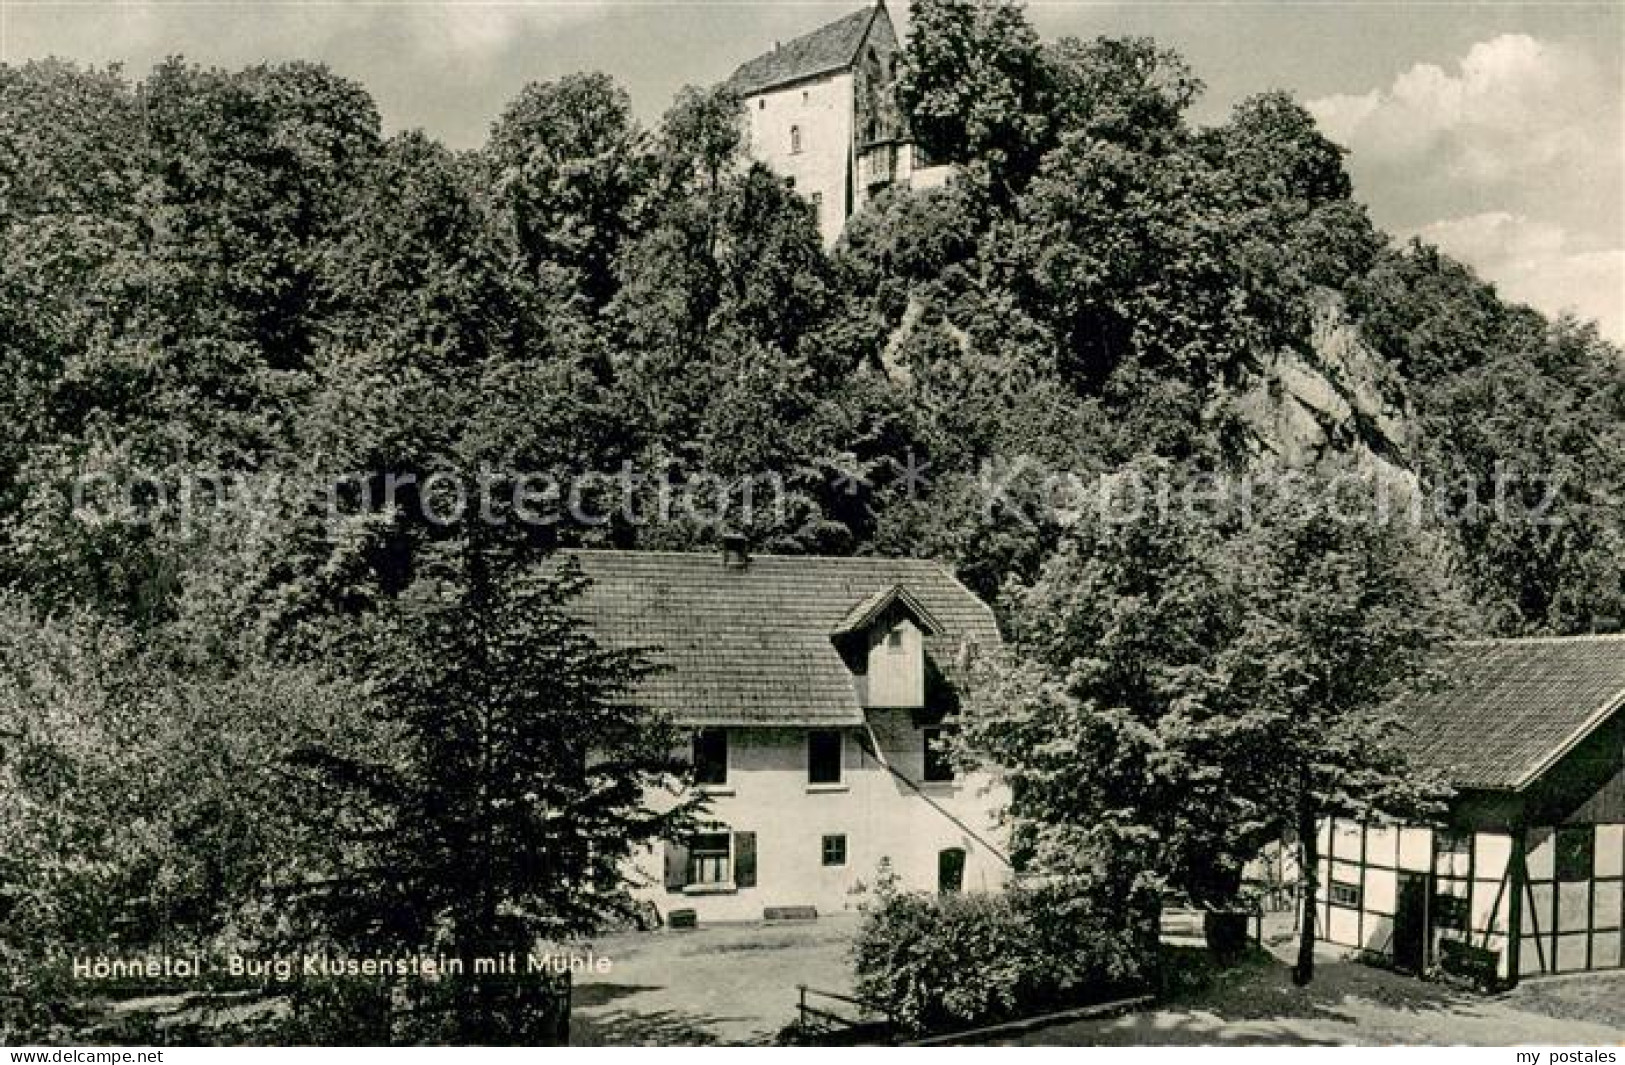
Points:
x=817 y=199
x=1452 y=853
x=795 y=139
x=761 y=105
x=1450 y=912
x=711 y=756
x=1343 y=893
x=937 y=766
x=710 y=859
x=834 y=850
x=894 y=641
x=1574 y=854
x=824 y=756
x=804 y=96
x=1448 y=842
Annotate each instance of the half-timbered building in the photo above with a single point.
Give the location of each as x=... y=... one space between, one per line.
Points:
x=1528 y=875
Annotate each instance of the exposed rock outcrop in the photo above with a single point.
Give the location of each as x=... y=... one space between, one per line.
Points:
x=1334 y=397
x=1338 y=396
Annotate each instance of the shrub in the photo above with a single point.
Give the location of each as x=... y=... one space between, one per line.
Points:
x=941 y=963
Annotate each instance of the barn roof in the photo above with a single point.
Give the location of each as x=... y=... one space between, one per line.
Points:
x=754 y=645
x=1510 y=709
x=824 y=50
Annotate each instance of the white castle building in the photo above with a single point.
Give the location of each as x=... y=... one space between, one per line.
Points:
x=822 y=111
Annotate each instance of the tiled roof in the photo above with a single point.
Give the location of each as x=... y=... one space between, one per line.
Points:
x=828 y=48
x=753 y=645
x=1512 y=708
x=865 y=613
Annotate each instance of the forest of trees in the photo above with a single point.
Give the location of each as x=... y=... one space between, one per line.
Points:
x=217 y=720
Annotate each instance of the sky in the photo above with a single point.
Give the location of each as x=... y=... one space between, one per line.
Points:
x=1493 y=129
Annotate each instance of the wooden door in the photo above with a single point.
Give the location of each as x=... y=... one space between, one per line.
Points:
x=1411 y=923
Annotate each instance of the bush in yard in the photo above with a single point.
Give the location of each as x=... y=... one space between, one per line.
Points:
x=937 y=964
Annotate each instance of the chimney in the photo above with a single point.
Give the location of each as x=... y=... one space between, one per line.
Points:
x=735 y=551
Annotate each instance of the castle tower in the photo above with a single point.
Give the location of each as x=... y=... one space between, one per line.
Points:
x=822 y=112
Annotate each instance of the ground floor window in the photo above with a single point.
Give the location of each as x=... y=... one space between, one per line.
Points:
x=1450 y=911
x=1574 y=853
x=1447 y=841
x=834 y=849
x=1345 y=894
x=710 y=859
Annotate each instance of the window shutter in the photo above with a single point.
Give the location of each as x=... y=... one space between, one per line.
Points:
x=676 y=866
x=744 y=859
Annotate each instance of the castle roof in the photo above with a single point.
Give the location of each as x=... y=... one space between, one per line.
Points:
x=756 y=644
x=823 y=51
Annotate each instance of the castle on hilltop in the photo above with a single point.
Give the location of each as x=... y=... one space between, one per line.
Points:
x=822 y=112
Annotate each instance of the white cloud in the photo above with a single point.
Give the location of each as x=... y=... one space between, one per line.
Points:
x=1509 y=158
x=473 y=27
x=1511 y=107
x=446 y=65
x=456 y=30
x=1536 y=262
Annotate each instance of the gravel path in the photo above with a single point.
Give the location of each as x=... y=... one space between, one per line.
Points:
x=1351 y=1004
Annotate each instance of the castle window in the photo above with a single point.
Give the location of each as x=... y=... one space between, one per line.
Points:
x=795 y=139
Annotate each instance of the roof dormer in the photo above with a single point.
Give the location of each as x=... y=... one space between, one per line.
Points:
x=882 y=639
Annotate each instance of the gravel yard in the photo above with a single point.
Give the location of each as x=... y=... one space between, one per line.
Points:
x=1592 y=997
x=722 y=984
x=737 y=984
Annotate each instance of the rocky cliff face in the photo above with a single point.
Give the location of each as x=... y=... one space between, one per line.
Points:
x=1336 y=397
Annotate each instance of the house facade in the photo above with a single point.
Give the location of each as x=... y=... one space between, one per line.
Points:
x=814 y=693
x=821 y=111
x=1528 y=875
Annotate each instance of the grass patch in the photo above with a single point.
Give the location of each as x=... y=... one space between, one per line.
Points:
x=1191 y=976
